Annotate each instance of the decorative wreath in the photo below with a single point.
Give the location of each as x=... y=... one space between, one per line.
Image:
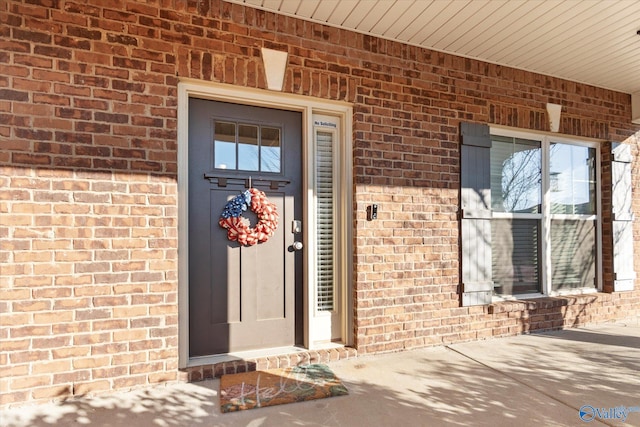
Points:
x=238 y=228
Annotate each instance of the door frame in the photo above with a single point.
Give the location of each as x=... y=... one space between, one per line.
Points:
x=308 y=106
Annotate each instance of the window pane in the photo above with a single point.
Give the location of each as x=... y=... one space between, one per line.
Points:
x=225 y=145
x=573 y=254
x=572 y=179
x=324 y=219
x=248 y=148
x=270 y=149
x=515 y=175
x=515 y=256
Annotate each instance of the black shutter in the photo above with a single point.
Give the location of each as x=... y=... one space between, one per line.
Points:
x=475 y=182
x=624 y=274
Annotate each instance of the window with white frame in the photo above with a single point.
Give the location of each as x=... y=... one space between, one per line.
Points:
x=544 y=218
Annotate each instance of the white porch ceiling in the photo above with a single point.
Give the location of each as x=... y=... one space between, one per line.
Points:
x=589 y=41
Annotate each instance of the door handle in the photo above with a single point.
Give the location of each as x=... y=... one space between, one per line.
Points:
x=297 y=246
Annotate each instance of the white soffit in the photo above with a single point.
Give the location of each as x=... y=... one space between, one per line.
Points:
x=588 y=41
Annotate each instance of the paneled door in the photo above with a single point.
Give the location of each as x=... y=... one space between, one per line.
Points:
x=243 y=297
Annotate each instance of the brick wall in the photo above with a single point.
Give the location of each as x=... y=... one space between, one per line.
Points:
x=88 y=203
x=88 y=175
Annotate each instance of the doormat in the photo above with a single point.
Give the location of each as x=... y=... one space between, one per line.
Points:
x=270 y=387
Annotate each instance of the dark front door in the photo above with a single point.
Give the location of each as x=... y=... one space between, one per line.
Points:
x=243 y=297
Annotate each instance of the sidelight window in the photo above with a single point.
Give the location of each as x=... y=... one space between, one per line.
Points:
x=324 y=220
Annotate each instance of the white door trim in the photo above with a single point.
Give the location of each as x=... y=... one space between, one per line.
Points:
x=308 y=106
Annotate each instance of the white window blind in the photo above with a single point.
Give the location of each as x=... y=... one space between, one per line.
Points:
x=515 y=256
x=324 y=221
x=516 y=189
x=573 y=254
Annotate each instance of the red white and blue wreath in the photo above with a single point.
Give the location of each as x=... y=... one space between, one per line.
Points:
x=239 y=229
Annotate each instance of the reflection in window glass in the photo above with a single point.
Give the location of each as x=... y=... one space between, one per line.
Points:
x=515 y=256
x=225 y=145
x=572 y=179
x=523 y=227
x=270 y=149
x=516 y=172
x=239 y=146
x=248 y=148
x=573 y=254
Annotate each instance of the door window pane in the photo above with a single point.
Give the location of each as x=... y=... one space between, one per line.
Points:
x=270 y=149
x=515 y=256
x=573 y=254
x=248 y=148
x=572 y=179
x=516 y=175
x=225 y=145
x=241 y=146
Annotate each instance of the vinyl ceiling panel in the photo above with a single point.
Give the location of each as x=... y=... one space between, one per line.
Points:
x=593 y=42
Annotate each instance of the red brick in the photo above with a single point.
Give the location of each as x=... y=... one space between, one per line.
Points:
x=130 y=381
x=52 y=367
x=91 y=362
x=89 y=387
x=30 y=382
x=14 y=345
x=18 y=357
x=57 y=392
x=75 y=351
x=89 y=215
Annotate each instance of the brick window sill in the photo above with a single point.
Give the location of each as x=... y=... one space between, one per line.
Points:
x=543 y=303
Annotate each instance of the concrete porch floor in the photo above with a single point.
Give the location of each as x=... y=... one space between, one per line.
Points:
x=530 y=380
